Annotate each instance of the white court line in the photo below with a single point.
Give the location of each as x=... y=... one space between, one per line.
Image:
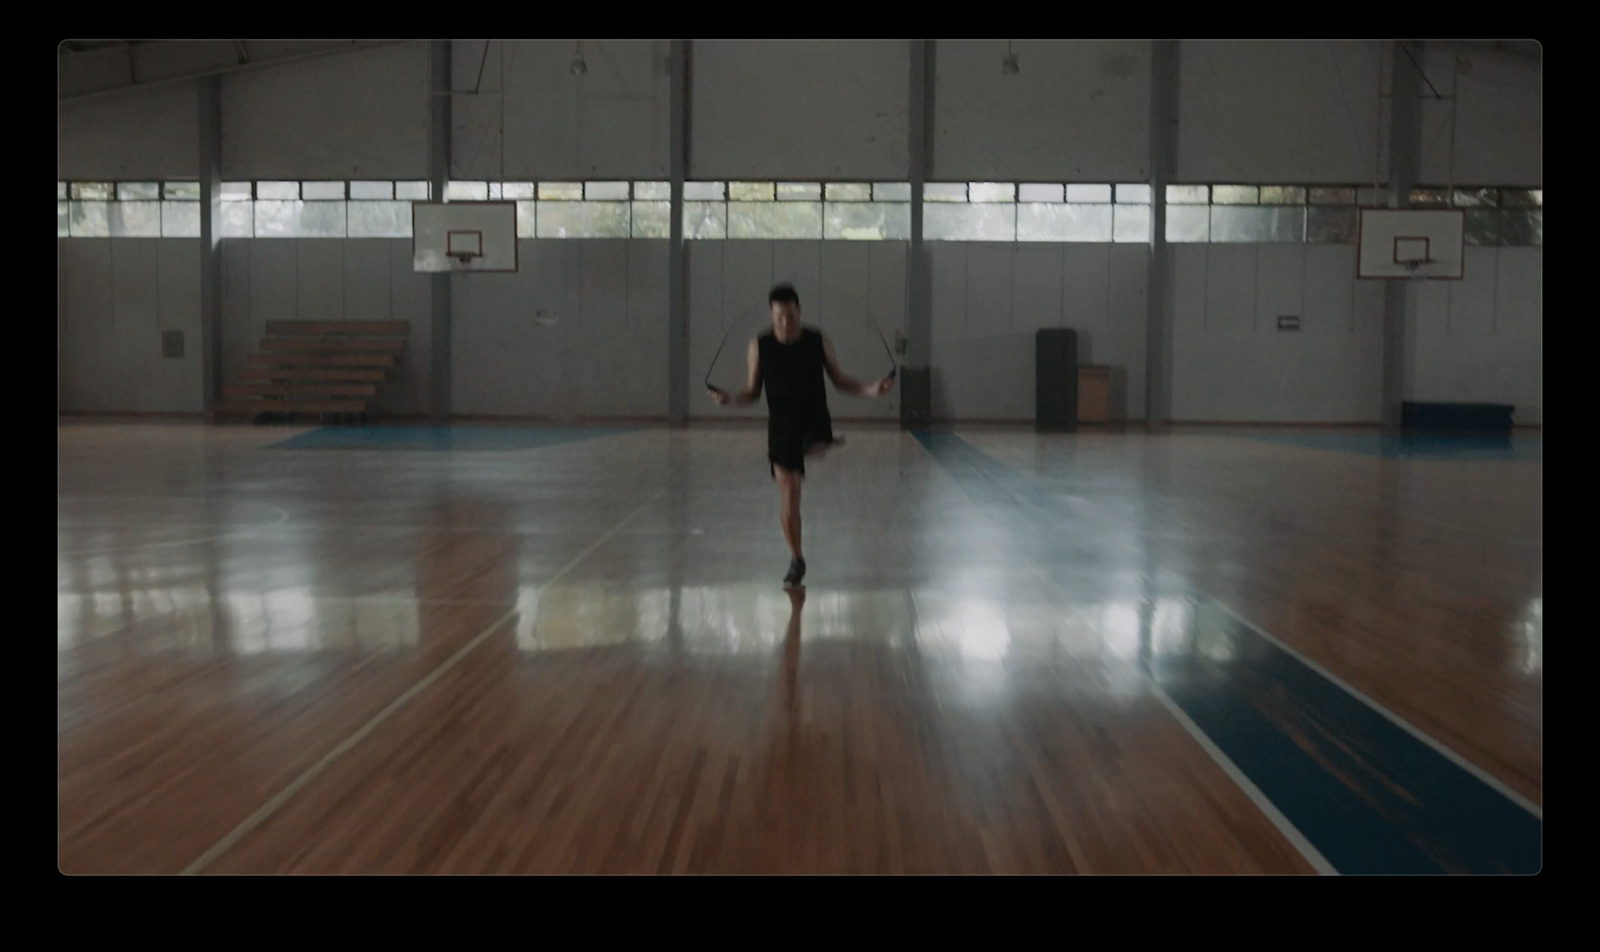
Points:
x=283 y=796
x=283 y=517
x=1275 y=816
x=1437 y=747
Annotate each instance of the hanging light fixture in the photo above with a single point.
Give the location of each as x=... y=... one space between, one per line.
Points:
x=578 y=67
x=1009 y=65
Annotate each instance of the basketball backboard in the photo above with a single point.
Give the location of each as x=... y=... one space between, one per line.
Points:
x=1408 y=243
x=463 y=236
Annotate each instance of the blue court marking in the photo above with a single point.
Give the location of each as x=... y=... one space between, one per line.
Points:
x=1367 y=794
x=1519 y=448
x=424 y=439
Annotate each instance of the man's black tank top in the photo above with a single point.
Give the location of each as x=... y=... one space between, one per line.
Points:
x=792 y=375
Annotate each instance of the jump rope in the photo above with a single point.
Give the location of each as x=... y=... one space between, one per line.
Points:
x=893 y=365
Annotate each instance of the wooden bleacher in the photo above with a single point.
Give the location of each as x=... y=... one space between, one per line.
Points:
x=317 y=369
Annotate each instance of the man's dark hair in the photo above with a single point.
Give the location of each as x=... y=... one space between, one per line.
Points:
x=783 y=294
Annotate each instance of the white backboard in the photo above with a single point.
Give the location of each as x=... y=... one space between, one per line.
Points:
x=1394 y=239
x=439 y=228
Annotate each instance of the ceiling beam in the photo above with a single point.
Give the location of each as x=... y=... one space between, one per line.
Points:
x=238 y=60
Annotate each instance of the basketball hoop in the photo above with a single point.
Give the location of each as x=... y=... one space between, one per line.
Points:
x=1414 y=268
x=461 y=258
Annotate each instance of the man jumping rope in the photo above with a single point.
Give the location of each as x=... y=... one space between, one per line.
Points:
x=789 y=363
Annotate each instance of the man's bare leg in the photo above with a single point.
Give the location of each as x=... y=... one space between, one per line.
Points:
x=789 y=515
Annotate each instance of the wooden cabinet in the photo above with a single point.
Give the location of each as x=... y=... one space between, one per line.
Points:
x=1094 y=394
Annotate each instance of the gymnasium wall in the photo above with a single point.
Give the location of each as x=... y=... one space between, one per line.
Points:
x=581 y=330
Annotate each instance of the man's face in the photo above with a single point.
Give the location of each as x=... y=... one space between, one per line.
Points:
x=786 y=320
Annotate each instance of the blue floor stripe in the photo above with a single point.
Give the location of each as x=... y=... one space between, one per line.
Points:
x=425 y=439
x=1518 y=448
x=1372 y=798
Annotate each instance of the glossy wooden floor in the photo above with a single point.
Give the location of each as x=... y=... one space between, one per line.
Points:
x=577 y=657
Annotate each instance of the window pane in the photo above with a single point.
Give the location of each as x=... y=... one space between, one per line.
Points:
x=583 y=220
x=1133 y=222
x=750 y=191
x=652 y=191
x=1429 y=198
x=849 y=192
x=236 y=191
x=652 y=219
x=704 y=191
x=1332 y=226
x=61 y=191
x=1521 y=197
x=1476 y=197
x=512 y=191
x=1187 y=195
x=412 y=191
x=89 y=219
x=466 y=191
x=181 y=191
x=379 y=219
x=891 y=191
x=92 y=191
x=1089 y=194
x=1286 y=224
x=1482 y=226
x=138 y=191
x=371 y=191
x=1040 y=193
x=988 y=222
x=560 y=191
x=944 y=191
x=300 y=219
x=799 y=192
x=1257 y=224
x=278 y=191
x=777 y=221
x=1189 y=223
x=1133 y=194
x=705 y=219
x=877 y=221
x=135 y=220
x=63 y=219
x=1283 y=195
x=1045 y=222
x=605 y=191
x=238 y=220
x=1522 y=228
x=991 y=192
x=180 y=219
x=527 y=219
x=1234 y=195
x=322 y=191
x=1333 y=196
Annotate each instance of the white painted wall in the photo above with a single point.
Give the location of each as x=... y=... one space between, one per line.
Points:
x=1232 y=364
x=1281 y=112
x=845 y=288
x=363 y=115
x=803 y=110
x=1481 y=339
x=990 y=299
x=605 y=355
x=149 y=134
x=314 y=279
x=1497 y=102
x=534 y=119
x=1077 y=111
x=118 y=296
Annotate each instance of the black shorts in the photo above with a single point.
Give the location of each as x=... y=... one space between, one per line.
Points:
x=789 y=439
